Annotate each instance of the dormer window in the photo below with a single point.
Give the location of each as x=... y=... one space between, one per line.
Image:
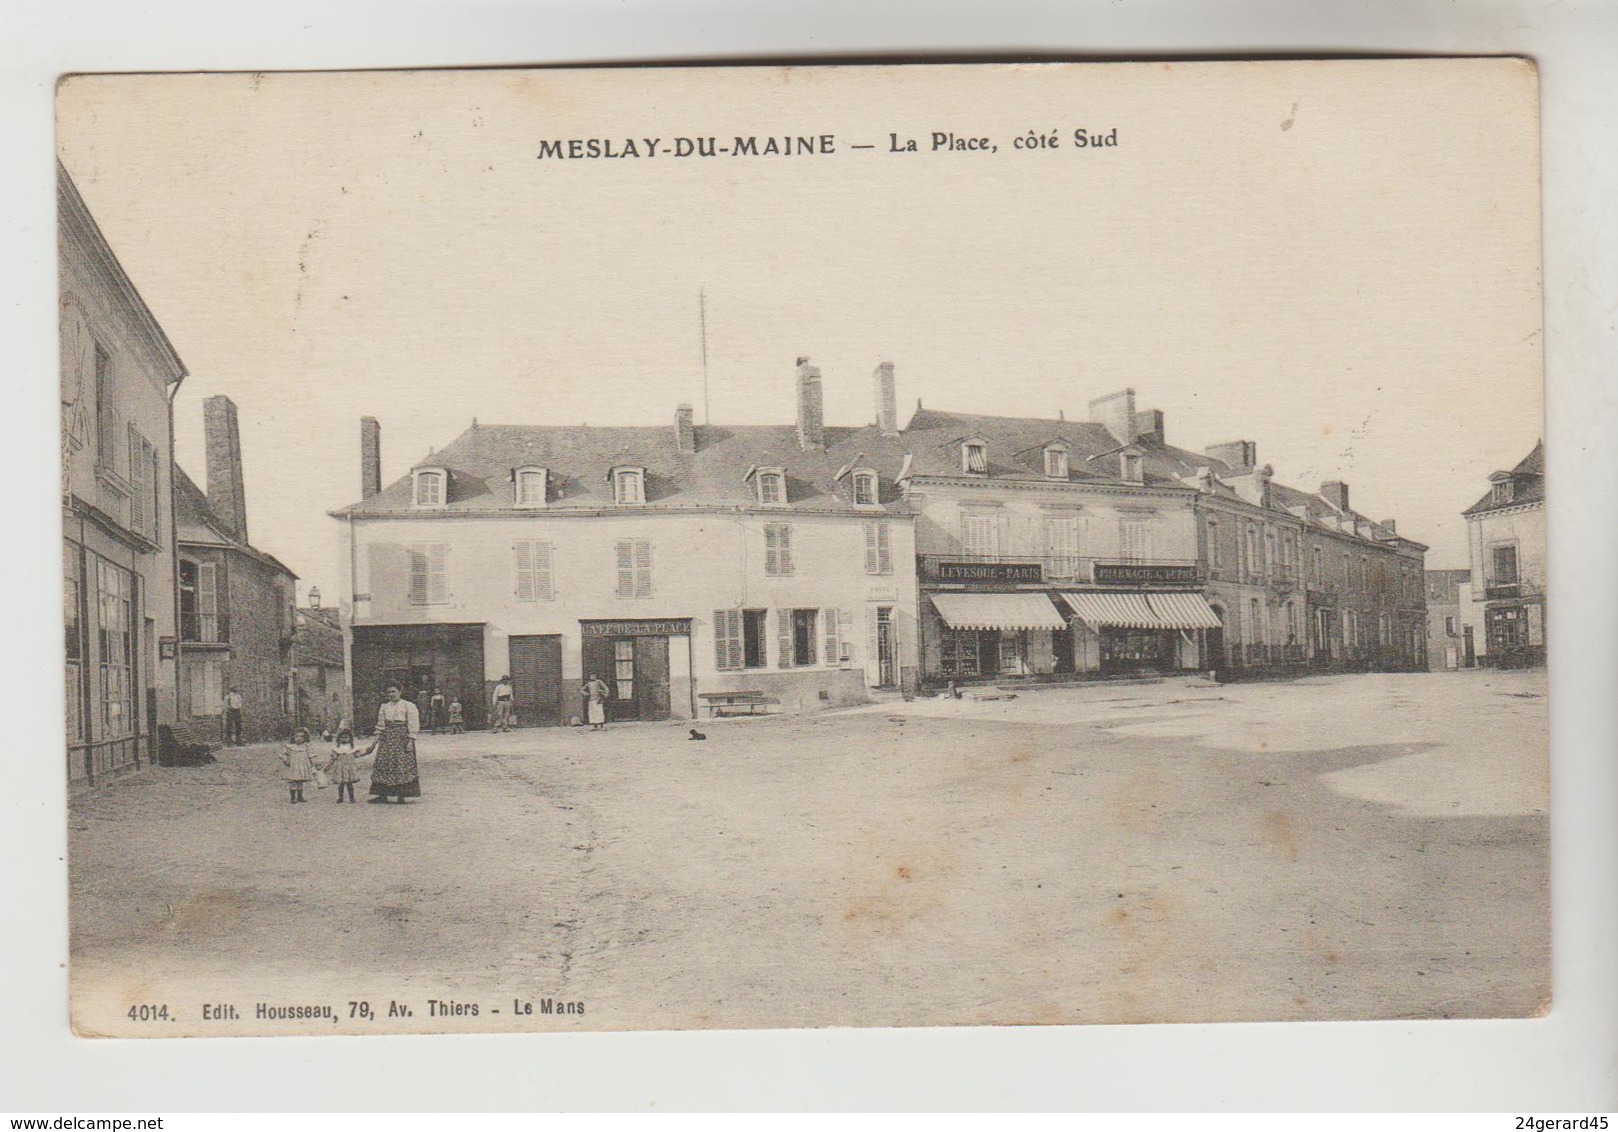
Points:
x=1130 y=469
x=1056 y=461
x=771 y=486
x=629 y=485
x=865 y=489
x=431 y=487
x=528 y=487
x=975 y=458
x=1502 y=492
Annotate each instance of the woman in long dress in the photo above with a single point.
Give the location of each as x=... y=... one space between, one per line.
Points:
x=596 y=690
x=395 y=773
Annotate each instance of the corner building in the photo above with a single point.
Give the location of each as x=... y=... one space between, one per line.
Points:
x=1506 y=538
x=673 y=562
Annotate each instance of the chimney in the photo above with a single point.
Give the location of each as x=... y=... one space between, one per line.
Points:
x=1149 y=425
x=811 y=407
x=370 y=457
x=1117 y=412
x=1390 y=526
x=1239 y=454
x=685 y=429
x=887 y=402
x=224 y=443
x=1335 y=493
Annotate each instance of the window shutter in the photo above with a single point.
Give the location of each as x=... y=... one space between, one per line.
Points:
x=721 y=638
x=138 y=503
x=151 y=487
x=525 y=570
x=643 y=569
x=833 y=652
x=784 y=547
x=544 y=576
x=626 y=568
x=438 y=573
x=418 y=575
x=783 y=637
x=772 y=549
x=884 y=549
x=207 y=589
x=873 y=649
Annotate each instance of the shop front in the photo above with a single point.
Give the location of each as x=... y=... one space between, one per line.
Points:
x=1142 y=632
x=421 y=660
x=645 y=663
x=983 y=635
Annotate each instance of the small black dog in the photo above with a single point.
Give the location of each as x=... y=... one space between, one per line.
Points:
x=695 y=734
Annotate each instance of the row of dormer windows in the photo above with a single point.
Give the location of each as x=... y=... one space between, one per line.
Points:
x=530 y=486
x=975 y=461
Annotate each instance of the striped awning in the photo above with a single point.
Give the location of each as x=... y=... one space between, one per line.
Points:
x=1126 y=611
x=998 y=611
x=1143 y=611
x=1184 y=611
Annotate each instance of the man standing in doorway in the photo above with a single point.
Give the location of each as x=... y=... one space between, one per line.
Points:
x=233 y=717
x=502 y=704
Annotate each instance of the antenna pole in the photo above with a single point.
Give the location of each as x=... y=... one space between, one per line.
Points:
x=702 y=322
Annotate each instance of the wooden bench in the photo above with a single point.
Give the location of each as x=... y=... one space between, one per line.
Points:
x=733 y=703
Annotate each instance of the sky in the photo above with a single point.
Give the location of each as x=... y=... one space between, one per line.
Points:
x=1338 y=261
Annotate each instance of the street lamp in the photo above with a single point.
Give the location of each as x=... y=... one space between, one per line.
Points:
x=314 y=597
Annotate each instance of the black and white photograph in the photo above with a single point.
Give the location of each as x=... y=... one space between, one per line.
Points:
x=803 y=546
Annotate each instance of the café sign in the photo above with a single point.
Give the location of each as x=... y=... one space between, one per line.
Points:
x=661 y=627
x=1137 y=574
x=994 y=573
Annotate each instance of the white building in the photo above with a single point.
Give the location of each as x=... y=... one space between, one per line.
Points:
x=673 y=562
x=1506 y=538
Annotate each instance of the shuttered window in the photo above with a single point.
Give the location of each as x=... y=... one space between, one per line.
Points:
x=634 y=559
x=978 y=535
x=429 y=578
x=783 y=638
x=1061 y=546
x=534 y=579
x=208 y=602
x=1135 y=538
x=777 y=549
x=828 y=619
x=878 y=548
x=727 y=639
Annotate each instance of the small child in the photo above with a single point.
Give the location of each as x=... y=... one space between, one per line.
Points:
x=455 y=727
x=341 y=764
x=299 y=768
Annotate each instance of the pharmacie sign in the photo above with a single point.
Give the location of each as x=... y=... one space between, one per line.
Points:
x=989 y=572
x=1134 y=574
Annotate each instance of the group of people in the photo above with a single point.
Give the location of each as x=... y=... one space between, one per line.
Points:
x=594 y=694
x=395 y=774
x=444 y=713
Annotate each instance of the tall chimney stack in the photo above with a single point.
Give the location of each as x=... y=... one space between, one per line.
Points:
x=1336 y=493
x=370 y=457
x=1149 y=425
x=226 y=498
x=685 y=429
x=1117 y=412
x=1239 y=454
x=887 y=401
x=811 y=407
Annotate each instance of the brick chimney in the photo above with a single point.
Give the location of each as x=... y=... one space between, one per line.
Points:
x=226 y=498
x=1117 y=412
x=685 y=429
x=887 y=402
x=811 y=407
x=1239 y=454
x=1335 y=493
x=370 y=457
x=1149 y=425
x=1390 y=526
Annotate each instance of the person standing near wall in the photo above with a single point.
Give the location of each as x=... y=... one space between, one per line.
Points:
x=502 y=705
x=233 y=717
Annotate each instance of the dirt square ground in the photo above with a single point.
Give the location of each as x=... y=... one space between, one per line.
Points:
x=1331 y=848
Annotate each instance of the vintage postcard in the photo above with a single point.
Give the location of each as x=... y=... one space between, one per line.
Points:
x=751 y=546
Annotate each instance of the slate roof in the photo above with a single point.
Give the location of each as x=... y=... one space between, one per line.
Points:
x=196 y=524
x=1528 y=478
x=579 y=459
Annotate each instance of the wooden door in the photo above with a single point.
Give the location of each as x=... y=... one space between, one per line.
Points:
x=536 y=680
x=652 y=677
